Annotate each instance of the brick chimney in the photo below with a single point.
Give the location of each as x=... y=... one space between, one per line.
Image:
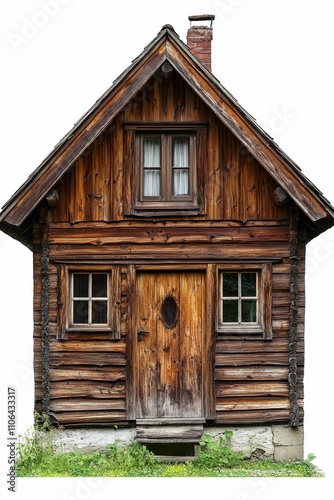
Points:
x=199 y=39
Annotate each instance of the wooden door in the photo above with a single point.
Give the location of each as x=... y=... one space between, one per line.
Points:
x=169 y=359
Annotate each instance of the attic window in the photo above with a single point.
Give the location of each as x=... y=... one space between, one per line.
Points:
x=167 y=168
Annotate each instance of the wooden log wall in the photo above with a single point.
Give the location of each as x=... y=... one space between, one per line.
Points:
x=88 y=371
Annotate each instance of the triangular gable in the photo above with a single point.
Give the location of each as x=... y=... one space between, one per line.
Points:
x=168 y=46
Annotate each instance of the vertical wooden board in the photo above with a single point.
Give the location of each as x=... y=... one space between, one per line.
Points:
x=214 y=178
x=209 y=341
x=168 y=349
x=80 y=200
x=120 y=186
x=249 y=186
x=146 y=348
x=106 y=160
x=128 y=172
x=191 y=325
x=180 y=103
x=231 y=173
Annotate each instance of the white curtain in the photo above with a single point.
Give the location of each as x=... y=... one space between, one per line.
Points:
x=180 y=167
x=152 y=166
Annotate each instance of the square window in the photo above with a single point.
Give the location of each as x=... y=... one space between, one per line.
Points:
x=245 y=300
x=239 y=297
x=88 y=300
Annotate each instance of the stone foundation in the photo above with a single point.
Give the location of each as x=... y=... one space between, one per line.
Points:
x=277 y=442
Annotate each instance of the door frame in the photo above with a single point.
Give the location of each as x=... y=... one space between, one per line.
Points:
x=209 y=338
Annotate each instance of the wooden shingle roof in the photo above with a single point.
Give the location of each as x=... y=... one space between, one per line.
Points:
x=16 y=214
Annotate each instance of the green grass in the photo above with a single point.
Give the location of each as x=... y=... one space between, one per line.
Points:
x=37 y=458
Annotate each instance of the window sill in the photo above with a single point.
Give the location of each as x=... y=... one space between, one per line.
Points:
x=143 y=210
x=89 y=328
x=240 y=330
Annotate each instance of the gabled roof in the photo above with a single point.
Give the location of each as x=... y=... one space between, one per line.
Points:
x=15 y=218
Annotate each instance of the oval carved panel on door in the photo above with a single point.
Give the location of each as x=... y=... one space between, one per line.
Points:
x=169 y=311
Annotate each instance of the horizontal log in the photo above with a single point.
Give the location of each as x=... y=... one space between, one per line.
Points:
x=252 y=417
x=245 y=359
x=256 y=403
x=205 y=252
x=83 y=337
x=90 y=417
x=99 y=389
x=248 y=346
x=86 y=358
x=109 y=373
x=180 y=432
x=253 y=373
x=95 y=345
x=85 y=404
x=223 y=389
x=162 y=235
x=170 y=224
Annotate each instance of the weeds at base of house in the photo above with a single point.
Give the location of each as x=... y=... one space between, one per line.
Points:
x=38 y=457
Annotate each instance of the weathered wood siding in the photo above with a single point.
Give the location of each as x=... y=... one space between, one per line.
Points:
x=237 y=186
x=88 y=372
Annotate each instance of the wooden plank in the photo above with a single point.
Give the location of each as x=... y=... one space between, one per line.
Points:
x=265 y=373
x=89 y=389
x=170 y=373
x=254 y=346
x=162 y=432
x=146 y=360
x=271 y=358
x=84 y=418
x=110 y=373
x=256 y=403
x=192 y=328
x=205 y=252
x=165 y=235
x=252 y=417
x=87 y=358
x=88 y=345
x=85 y=404
x=243 y=389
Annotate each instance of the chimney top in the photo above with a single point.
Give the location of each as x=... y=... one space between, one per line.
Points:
x=199 y=39
x=202 y=17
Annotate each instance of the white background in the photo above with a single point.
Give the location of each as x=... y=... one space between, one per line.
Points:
x=276 y=58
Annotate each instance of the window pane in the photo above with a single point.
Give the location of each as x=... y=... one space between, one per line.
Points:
x=80 y=285
x=248 y=284
x=248 y=311
x=99 y=285
x=99 y=311
x=80 y=311
x=180 y=182
x=230 y=285
x=151 y=182
x=152 y=152
x=230 y=311
x=181 y=152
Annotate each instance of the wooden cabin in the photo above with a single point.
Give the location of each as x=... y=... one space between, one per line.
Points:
x=168 y=234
